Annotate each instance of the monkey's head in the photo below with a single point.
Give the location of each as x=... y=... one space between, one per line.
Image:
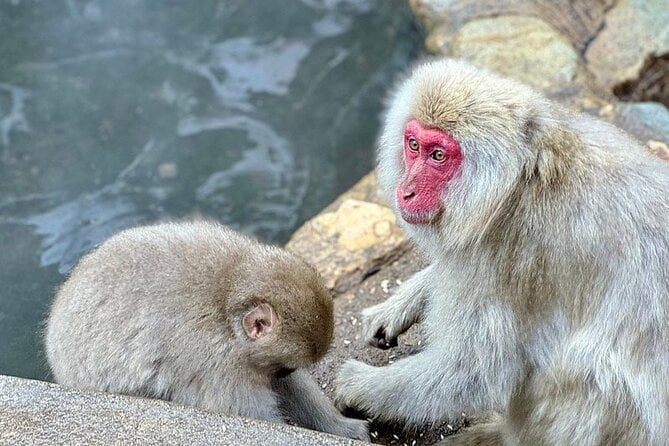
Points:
x=282 y=313
x=455 y=142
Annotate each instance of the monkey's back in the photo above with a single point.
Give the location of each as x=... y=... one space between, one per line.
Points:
x=135 y=316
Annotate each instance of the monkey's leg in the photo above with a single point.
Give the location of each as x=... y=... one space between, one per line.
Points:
x=566 y=406
x=303 y=402
x=235 y=394
x=385 y=321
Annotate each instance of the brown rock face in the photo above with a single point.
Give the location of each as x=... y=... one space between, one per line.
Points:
x=352 y=238
x=525 y=48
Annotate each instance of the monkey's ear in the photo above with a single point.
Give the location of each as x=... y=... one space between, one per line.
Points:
x=260 y=321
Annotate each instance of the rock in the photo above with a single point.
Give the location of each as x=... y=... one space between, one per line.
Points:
x=651 y=85
x=349 y=243
x=645 y=120
x=357 y=224
x=525 y=48
x=577 y=21
x=352 y=238
x=634 y=31
x=40 y=413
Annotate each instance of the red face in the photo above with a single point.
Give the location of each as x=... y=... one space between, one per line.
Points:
x=431 y=158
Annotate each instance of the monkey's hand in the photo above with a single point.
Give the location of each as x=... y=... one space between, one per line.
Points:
x=351 y=428
x=303 y=402
x=382 y=326
x=352 y=385
x=385 y=321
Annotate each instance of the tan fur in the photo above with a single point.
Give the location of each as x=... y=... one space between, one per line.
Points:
x=547 y=295
x=157 y=311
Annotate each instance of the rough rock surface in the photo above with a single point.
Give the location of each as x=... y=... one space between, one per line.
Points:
x=578 y=21
x=40 y=413
x=634 y=30
x=525 y=48
x=352 y=238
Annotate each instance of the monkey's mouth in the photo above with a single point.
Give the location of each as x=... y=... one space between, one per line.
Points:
x=418 y=217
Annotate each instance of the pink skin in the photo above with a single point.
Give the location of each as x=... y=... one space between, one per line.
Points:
x=431 y=158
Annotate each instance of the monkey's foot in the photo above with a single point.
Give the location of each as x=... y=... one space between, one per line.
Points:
x=486 y=434
x=351 y=386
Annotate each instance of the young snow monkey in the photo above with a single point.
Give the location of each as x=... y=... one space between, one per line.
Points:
x=200 y=315
x=547 y=293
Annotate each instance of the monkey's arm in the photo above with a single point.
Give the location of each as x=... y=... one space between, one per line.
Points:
x=385 y=321
x=302 y=401
x=473 y=369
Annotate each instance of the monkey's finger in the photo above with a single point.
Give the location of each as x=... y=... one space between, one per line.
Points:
x=385 y=344
x=381 y=341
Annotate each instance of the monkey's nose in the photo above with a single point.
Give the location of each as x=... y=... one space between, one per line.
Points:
x=408 y=195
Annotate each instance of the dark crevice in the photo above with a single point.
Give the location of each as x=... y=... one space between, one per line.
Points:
x=651 y=85
x=370 y=273
x=593 y=36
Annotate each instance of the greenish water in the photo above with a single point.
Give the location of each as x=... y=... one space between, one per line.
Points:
x=120 y=112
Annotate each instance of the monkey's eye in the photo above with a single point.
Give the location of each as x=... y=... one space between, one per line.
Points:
x=413 y=144
x=438 y=155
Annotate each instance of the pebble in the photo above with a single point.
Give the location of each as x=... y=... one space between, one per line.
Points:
x=167 y=171
x=384 y=285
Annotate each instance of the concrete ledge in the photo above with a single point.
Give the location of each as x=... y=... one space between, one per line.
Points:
x=40 y=413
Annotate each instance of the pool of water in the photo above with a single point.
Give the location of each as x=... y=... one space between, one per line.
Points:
x=116 y=113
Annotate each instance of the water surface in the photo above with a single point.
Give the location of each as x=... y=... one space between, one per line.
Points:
x=120 y=112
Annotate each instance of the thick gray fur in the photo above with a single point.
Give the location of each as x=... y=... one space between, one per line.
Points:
x=547 y=294
x=156 y=311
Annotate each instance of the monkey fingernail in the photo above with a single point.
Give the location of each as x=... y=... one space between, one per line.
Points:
x=385 y=344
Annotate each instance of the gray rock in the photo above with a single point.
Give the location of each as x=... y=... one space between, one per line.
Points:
x=40 y=413
x=634 y=30
x=525 y=48
x=645 y=120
